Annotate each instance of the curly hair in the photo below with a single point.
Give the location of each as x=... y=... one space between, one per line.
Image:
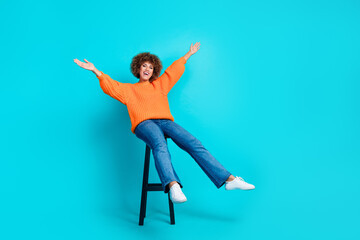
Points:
x=139 y=59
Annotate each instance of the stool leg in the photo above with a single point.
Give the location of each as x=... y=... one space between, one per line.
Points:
x=171 y=204
x=144 y=186
x=171 y=208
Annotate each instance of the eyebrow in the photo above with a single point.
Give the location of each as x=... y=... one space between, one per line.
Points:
x=149 y=64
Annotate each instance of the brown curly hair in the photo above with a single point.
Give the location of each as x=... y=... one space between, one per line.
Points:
x=139 y=59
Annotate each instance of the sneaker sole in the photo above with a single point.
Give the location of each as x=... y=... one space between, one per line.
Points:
x=178 y=202
x=240 y=189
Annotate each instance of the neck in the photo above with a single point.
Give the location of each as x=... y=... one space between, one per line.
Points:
x=143 y=80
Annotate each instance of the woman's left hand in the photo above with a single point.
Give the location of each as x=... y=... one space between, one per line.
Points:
x=194 y=48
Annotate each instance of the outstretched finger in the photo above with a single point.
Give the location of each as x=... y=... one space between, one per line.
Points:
x=86 y=60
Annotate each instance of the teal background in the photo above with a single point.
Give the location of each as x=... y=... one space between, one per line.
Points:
x=273 y=94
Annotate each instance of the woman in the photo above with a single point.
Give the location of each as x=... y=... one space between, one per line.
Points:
x=151 y=120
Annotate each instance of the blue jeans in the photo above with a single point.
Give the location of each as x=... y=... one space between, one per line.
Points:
x=152 y=132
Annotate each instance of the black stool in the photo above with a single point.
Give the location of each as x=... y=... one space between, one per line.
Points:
x=152 y=187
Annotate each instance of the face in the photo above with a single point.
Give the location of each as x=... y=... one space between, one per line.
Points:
x=146 y=71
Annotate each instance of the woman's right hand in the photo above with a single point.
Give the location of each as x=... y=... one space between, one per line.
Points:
x=86 y=65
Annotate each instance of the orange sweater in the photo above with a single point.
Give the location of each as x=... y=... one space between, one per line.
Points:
x=145 y=100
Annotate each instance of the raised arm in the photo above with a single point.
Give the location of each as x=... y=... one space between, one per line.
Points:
x=173 y=73
x=110 y=87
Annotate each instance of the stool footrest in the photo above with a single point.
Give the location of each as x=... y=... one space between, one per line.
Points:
x=154 y=187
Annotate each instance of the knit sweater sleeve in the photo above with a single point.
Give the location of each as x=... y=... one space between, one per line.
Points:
x=113 y=88
x=171 y=75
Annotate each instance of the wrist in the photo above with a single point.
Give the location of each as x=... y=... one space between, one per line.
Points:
x=97 y=72
x=187 y=55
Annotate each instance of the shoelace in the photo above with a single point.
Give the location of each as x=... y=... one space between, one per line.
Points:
x=237 y=177
x=240 y=178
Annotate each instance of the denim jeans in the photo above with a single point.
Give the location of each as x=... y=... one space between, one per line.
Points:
x=152 y=132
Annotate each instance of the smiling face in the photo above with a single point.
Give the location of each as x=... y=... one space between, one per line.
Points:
x=146 y=71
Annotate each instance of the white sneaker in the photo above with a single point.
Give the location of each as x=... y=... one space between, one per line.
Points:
x=238 y=183
x=176 y=195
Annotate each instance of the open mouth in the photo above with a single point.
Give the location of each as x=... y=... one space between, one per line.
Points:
x=146 y=73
